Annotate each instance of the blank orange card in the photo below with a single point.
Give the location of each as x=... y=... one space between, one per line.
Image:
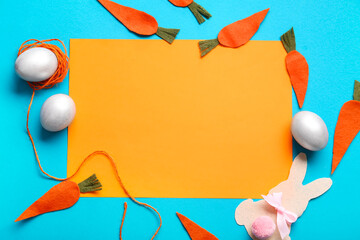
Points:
x=177 y=125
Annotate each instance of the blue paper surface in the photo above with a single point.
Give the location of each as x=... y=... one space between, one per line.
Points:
x=327 y=34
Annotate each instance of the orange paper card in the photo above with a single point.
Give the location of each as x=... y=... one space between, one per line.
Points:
x=178 y=125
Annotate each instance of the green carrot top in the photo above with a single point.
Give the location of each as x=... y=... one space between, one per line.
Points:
x=288 y=40
x=357 y=90
x=90 y=184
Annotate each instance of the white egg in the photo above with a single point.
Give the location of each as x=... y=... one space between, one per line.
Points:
x=309 y=130
x=36 y=64
x=57 y=112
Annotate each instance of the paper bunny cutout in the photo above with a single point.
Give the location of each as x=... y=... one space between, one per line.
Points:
x=295 y=197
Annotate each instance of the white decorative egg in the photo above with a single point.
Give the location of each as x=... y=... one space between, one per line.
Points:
x=309 y=130
x=36 y=64
x=57 y=112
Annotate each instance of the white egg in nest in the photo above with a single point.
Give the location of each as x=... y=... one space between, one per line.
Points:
x=36 y=64
x=57 y=112
x=309 y=130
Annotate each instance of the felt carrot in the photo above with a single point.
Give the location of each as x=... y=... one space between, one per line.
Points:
x=235 y=34
x=195 y=231
x=198 y=11
x=139 y=22
x=347 y=127
x=296 y=65
x=61 y=196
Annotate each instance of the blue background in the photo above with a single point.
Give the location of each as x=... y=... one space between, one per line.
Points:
x=327 y=33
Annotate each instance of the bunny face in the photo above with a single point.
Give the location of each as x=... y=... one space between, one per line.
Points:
x=295 y=196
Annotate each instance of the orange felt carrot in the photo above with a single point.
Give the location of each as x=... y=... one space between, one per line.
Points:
x=45 y=204
x=235 y=34
x=195 y=231
x=61 y=196
x=139 y=22
x=296 y=65
x=347 y=127
x=198 y=11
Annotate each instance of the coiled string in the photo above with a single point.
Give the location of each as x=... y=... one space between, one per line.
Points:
x=63 y=62
x=57 y=77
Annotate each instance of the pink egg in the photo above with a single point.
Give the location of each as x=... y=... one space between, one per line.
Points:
x=263 y=227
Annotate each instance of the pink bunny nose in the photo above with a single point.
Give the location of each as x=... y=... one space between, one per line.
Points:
x=263 y=227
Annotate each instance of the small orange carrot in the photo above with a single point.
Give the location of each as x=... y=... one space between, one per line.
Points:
x=138 y=22
x=195 y=231
x=235 y=34
x=296 y=65
x=198 y=11
x=347 y=127
x=61 y=196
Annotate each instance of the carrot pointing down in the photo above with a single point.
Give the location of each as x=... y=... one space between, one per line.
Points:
x=61 y=196
x=235 y=34
x=296 y=65
x=139 y=22
x=347 y=127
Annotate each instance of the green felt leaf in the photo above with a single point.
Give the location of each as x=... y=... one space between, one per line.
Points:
x=168 y=34
x=357 y=90
x=199 y=12
x=207 y=45
x=288 y=40
x=91 y=184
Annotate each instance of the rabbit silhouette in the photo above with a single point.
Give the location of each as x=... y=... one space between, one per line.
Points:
x=295 y=198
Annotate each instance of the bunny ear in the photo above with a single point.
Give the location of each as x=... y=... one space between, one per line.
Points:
x=298 y=168
x=317 y=187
